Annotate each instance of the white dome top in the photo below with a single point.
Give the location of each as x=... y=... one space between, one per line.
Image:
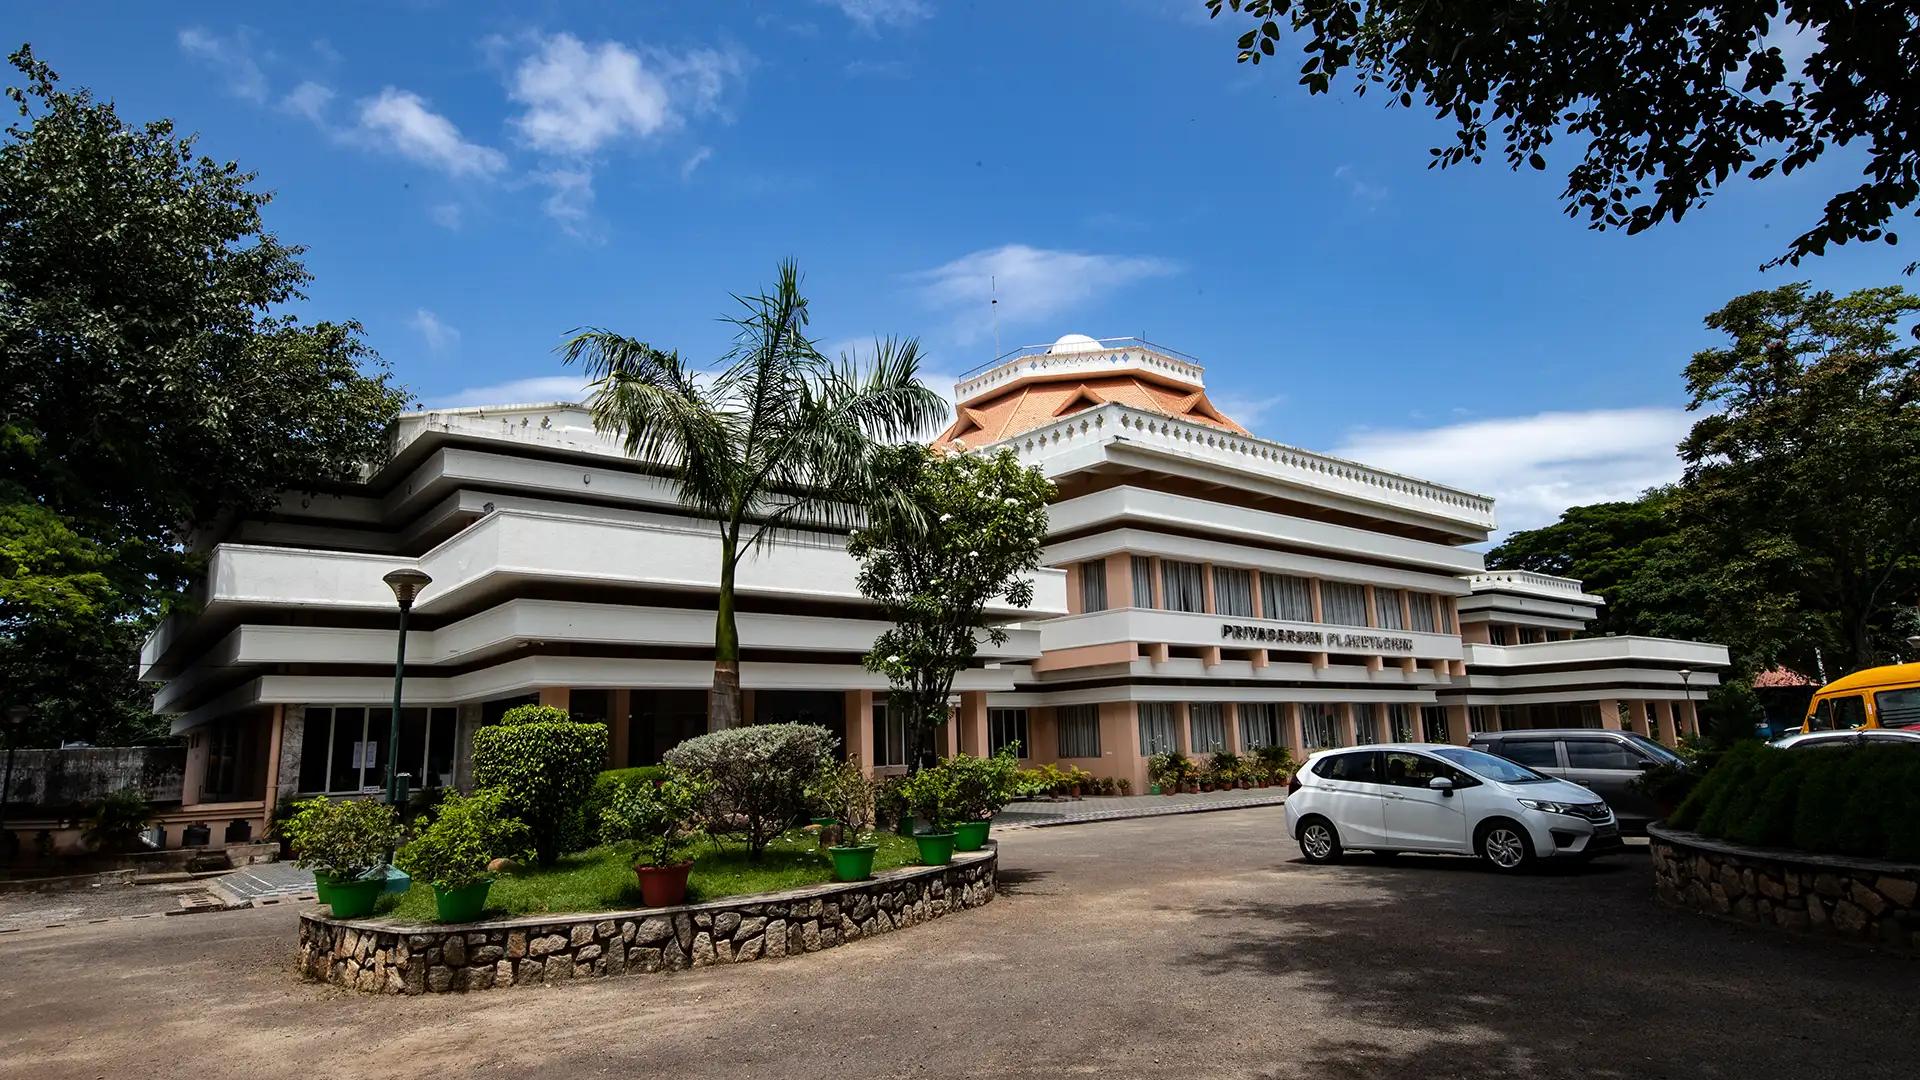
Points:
x=1074 y=343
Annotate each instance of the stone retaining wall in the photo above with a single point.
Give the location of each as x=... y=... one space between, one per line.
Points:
x=1855 y=899
x=383 y=957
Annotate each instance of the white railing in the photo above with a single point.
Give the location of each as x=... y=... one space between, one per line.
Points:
x=1040 y=362
x=1527 y=579
x=1276 y=460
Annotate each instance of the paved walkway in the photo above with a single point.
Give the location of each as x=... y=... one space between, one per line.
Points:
x=1195 y=946
x=1121 y=807
x=263 y=882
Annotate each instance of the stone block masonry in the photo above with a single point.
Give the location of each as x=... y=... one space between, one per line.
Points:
x=382 y=957
x=1853 y=899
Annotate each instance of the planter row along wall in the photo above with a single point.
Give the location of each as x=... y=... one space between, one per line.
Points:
x=388 y=958
x=1856 y=899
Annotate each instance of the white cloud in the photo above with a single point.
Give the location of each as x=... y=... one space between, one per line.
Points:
x=694 y=161
x=1361 y=189
x=437 y=334
x=231 y=56
x=1248 y=410
x=569 y=199
x=870 y=15
x=402 y=121
x=448 y=216
x=537 y=389
x=1034 y=285
x=1536 y=466
x=579 y=97
x=309 y=99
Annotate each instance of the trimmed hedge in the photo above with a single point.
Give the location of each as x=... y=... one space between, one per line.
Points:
x=600 y=796
x=545 y=764
x=1863 y=802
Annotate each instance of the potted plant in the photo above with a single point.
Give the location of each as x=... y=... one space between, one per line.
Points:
x=929 y=793
x=454 y=852
x=889 y=809
x=845 y=792
x=345 y=843
x=1277 y=761
x=1224 y=770
x=1124 y=785
x=654 y=817
x=982 y=788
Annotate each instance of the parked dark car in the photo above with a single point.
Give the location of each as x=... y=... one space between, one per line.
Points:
x=1603 y=761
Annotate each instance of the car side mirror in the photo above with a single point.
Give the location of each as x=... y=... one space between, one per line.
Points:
x=1443 y=785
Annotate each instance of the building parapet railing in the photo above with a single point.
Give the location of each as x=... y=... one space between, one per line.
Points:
x=1278 y=461
x=1528 y=579
x=1631 y=647
x=1115 y=354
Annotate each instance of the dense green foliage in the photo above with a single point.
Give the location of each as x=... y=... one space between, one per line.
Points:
x=545 y=764
x=1663 y=100
x=464 y=835
x=933 y=795
x=151 y=383
x=1862 y=801
x=115 y=822
x=601 y=879
x=341 y=838
x=782 y=438
x=605 y=786
x=755 y=777
x=654 y=816
x=981 y=785
x=844 y=792
x=966 y=532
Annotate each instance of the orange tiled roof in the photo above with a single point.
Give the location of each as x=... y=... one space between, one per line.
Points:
x=1029 y=404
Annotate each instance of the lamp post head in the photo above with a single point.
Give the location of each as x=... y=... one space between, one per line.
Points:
x=1685 y=673
x=17 y=715
x=406 y=584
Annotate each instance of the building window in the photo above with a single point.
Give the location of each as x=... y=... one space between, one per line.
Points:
x=1093 y=585
x=1386 y=607
x=1446 y=613
x=1232 y=591
x=1283 y=596
x=1482 y=718
x=1366 y=725
x=1343 y=603
x=1079 y=731
x=1142 y=581
x=1422 y=606
x=1008 y=727
x=1400 y=723
x=1318 y=728
x=1181 y=586
x=343 y=750
x=1156 y=728
x=1497 y=634
x=1433 y=721
x=889 y=736
x=1206 y=727
x=1260 y=725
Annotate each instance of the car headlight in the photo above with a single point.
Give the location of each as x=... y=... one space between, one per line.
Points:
x=1550 y=807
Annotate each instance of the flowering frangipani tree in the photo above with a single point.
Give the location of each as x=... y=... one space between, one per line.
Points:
x=970 y=533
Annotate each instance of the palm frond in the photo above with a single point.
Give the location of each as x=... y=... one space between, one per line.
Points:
x=664 y=415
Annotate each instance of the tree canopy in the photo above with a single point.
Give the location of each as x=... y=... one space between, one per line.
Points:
x=152 y=382
x=1665 y=101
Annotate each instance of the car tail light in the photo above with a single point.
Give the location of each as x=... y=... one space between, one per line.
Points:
x=1293 y=783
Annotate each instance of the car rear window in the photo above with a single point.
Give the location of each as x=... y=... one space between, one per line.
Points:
x=1356 y=767
x=1600 y=754
x=1533 y=753
x=1898 y=708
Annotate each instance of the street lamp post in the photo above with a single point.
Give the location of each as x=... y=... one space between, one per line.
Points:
x=406 y=585
x=1686 y=689
x=16 y=719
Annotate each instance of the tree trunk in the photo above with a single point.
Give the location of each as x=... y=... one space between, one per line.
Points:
x=723 y=704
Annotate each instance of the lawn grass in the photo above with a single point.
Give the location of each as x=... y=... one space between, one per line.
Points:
x=602 y=879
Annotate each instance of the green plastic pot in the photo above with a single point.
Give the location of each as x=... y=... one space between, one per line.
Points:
x=355 y=899
x=970 y=835
x=461 y=905
x=826 y=822
x=936 y=848
x=322 y=888
x=853 y=862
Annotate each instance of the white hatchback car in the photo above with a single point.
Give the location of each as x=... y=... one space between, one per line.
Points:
x=1442 y=798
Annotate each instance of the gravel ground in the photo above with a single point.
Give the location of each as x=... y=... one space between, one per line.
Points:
x=1183 y=946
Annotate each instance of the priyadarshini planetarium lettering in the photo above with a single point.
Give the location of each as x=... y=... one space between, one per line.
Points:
x=1320 y=639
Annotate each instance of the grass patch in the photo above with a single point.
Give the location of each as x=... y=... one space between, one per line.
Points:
x=601 y=878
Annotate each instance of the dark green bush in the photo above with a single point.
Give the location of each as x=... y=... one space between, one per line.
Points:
x=605 y=786
x=545 y=764
x=1863 y=801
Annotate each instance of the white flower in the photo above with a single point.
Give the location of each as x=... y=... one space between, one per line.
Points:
x=894 y=659
x=1011 y=501
x=946 y=517
x=973 y=554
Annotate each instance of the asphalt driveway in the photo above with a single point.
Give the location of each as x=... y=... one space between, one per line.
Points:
x=1180 y=946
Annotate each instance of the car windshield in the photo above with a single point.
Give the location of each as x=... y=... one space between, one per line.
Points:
x=1488 y=767
x=1659 y=753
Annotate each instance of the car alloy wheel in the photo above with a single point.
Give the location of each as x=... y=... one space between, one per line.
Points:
x=1318 y=842
x=1504 y=847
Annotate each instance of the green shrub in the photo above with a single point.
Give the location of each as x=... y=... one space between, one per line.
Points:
x=114 y=823
x=982 y=787
x=341 y=838
x=932 y=794
x=544 y=764
x=846 y=794
x=466 y=833
x=653 y=815
x=755 y=777
x=1862 y=801
x=605 y=786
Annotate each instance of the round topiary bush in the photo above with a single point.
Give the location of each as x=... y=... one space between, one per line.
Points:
x=755 y=777
x=545 y=764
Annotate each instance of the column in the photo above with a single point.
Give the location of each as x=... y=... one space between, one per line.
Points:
x=620 y=727
x=1182 y=737
x=1664 y=711
x=1319 y=660
x=1073 y=589
x=194 y=774
x=746 y=707
x=1120 y=743
x=560 y=697
x=1253 y=582
x=1159 y=598
x=1207 y=603
x=1230 y=714
x=1373 y=613
x=1691 y=710
x=1296 y=735
x=972 y=719
x=284 y=779
x=1348 y=736
x=859 y=736
x=1119 y=580
x=1637 y=716
x=270 y=786
x=1406 y=608
x=1610 y=714
x=1458 y=726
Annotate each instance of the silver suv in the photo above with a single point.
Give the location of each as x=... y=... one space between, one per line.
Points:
x=1605 y=762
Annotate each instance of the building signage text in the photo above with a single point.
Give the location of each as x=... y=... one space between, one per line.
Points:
x=1323 y=640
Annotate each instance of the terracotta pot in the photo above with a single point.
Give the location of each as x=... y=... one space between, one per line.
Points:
x=663 y=886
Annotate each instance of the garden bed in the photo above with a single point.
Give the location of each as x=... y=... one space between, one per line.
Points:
x=388 y=956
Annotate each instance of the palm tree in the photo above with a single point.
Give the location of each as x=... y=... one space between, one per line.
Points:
x=780 y=438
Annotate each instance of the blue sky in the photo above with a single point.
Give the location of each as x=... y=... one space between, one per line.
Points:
x=473 y=180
